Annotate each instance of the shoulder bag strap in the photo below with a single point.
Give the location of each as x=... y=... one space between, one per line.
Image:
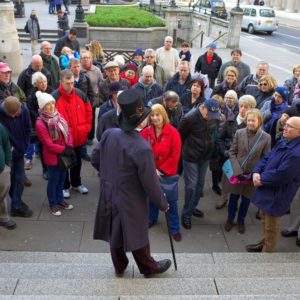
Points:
x=251 y=150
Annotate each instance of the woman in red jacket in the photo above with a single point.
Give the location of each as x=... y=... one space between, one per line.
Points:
x=53 y=132
x=166 y=145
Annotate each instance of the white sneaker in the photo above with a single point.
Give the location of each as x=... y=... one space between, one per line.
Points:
x=55 y=211
x=81 y=189
x=66 y=193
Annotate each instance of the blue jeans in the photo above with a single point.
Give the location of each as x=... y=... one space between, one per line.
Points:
x=17 y=176
x=29 y=152
x=194 y=177
x=233 y=205
x=56 y=179
x=170 y=188
x=51 y=7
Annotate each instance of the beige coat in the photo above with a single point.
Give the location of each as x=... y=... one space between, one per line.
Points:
x=242 y=143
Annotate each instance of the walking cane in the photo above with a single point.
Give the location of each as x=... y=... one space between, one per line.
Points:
x=171 y=241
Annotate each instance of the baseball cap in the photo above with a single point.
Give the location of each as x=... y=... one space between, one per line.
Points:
x=4 y=67
x=212 y=106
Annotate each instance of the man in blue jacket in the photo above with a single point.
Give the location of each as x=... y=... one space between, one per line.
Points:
x=277 y=178
x=16 y=119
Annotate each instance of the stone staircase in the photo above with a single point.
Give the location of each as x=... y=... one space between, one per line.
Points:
x=57 y=276
x=49 y=35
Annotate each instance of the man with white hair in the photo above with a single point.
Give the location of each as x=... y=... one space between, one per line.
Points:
x=276 y=180
x=159 y=73
x=36 y=65
x=50 y=63
x=168 y=57
x=147 y=86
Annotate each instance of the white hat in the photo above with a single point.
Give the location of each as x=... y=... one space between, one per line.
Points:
x=43 y=99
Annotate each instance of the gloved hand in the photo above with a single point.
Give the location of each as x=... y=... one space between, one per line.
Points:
x=68 y=151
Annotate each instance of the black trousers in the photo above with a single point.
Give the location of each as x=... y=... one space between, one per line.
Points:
x=92 y=132
x=73 y=175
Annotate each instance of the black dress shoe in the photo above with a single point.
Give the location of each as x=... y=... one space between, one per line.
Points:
x=288 y=233
x=45 y=174
x=10 y=225
x=162 y=267
x=86 y=157
x=186 y=222
x=198 y=213
x=23 y=212
x=217 y=189
x=255 y=247
x=257 y=215
x=298 y=241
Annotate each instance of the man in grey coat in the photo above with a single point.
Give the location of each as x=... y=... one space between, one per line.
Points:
x=127 y=179
x=33 y=28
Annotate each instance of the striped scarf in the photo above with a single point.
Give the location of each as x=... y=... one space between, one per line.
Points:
x=56 y=124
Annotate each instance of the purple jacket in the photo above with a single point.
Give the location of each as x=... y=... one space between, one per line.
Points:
x=280 y=176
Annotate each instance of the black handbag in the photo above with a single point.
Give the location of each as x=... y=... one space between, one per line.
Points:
x=66 y=161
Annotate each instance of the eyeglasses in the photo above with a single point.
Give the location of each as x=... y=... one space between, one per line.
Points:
x=291 y=126
x=84 y=58
x=150 y=56
x=263 y=84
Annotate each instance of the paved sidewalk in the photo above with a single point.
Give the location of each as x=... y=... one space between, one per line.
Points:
x=72 y=232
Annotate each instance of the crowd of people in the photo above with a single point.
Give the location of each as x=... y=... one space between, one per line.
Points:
x=244 y=127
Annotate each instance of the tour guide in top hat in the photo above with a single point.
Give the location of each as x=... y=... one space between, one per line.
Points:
x=127 y=179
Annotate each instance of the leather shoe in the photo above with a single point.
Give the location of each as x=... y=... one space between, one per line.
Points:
x=10 y=225
x=163 y=266
x=228 y=225
x=288 y=233
x=198 y=213
x=255 y=247
x=177 y=237
x=186 y=222
x=298 y=241
x=217 y=190
x=24 y=211
x=241 y=228
x=221 y=203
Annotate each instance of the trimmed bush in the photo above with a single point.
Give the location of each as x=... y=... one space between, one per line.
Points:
x=131 y=17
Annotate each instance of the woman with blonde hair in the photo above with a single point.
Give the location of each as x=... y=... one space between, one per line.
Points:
x=98 y=56
x=230 y=82
x=249 y=145
x=166 y=145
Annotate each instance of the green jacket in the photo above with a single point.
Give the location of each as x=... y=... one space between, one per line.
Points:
x=5 y=149
x=52 y=66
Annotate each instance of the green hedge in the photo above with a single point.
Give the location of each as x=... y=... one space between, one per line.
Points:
x=123 y=17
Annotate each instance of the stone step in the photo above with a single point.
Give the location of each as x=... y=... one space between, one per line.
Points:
x=152 y=287
x=105 y=271
x=109 y=287
x=46 y=35
x=182 y=258
x=165 y=297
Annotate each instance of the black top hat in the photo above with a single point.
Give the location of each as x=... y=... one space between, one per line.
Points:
x=133 y=111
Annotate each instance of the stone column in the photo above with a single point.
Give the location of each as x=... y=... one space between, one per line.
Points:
x=277 y=4
x=10 y=50
x=290 y=6
x=234 y=29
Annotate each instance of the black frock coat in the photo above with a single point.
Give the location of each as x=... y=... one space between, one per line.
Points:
x=127 y=178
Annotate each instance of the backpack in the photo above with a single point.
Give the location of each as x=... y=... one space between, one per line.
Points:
x=26 y=29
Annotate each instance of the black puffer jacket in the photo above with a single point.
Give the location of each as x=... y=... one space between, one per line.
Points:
x=198 y=137
x=212 y=69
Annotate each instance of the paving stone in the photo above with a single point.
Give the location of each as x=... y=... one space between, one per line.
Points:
x=212 y=297
x=52 y=297
x=116 y=287
x=259 y=286
x=38 y=236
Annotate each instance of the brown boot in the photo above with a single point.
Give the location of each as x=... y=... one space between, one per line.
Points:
x=241 y=228
x=255 y=247
x=228 y=225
